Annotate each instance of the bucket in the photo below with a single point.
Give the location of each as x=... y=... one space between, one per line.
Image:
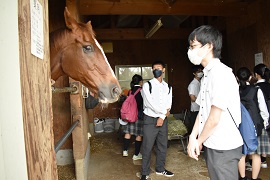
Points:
x=98 y=125
x=109 y=125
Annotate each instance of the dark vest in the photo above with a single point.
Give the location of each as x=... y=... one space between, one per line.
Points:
x=249 y=99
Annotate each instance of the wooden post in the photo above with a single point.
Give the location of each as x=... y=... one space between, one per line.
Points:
x=36 y=97
x=81 y=145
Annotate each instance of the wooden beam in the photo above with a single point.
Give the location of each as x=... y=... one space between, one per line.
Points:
x=94 y=7
x=139 y=34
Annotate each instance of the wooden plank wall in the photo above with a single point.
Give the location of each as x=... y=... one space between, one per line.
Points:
x=36 y=98
x=249 y=35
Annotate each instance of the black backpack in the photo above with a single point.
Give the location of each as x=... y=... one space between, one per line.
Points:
x=249 y=99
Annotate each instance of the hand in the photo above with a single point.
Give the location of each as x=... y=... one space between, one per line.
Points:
x=159 y=122
x=168 y=112
x=193 y=148
x=200 y=147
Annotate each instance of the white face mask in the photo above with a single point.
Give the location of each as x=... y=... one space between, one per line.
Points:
x=200 y=74
x=194 y=57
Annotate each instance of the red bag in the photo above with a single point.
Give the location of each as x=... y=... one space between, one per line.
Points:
x=129 y=110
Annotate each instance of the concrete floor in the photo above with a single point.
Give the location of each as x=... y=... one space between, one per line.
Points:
x=106 y=161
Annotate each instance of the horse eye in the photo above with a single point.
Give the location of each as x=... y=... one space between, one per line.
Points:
x=88 y=49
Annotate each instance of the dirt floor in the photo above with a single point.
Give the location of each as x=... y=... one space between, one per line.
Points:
x=106 y=162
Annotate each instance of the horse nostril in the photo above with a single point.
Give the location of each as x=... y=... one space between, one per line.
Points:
x=116 y=91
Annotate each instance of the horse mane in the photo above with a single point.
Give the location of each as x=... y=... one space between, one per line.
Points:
x=56 y=35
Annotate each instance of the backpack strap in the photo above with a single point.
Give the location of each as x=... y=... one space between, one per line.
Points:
x=150 y=87
x=137 y=91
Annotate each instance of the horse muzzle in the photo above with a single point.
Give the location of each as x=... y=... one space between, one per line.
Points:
x=109 y=95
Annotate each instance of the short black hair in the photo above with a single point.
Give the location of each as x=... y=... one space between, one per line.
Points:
x=195 y=68
x=159 y=63
x=207 y=34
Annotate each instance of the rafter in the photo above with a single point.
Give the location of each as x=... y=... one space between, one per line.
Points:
x=139 y=34
x=195 y=8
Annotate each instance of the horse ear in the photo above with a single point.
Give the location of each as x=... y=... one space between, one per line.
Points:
x=71 y=23
x=89 y=24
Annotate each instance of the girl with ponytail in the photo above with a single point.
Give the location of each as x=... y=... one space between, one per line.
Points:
x=135 y=128
x=262 y=75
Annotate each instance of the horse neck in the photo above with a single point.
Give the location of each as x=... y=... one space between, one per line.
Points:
x=58 y=41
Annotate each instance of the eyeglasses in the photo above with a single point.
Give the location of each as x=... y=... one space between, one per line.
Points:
x=193 y=46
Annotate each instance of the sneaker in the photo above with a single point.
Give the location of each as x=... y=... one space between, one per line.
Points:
x=125 y=153
x=139 y=156
x=165 y=173
x=143 y=177
x=248 y=166
x=245 y=178
x=264 y=164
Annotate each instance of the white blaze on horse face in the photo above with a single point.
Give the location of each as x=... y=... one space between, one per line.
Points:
x=104 y=101
x=106 y=60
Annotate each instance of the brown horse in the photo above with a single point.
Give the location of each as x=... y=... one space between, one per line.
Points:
x=75 y=52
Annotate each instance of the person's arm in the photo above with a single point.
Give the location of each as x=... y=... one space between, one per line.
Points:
x=193 y=146
x=263 y=108
x=191 y=92
x=169 y=99
x=192 y=98
x=210 y=124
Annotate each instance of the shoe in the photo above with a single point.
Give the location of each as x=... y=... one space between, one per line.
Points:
x=165 y=173
x=245 y=178
x=264 y=164
x=143 y=177
x=248 y=166
x=125 y=153
x=139 y=156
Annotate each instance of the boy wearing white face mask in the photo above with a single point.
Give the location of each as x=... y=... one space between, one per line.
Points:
x=214 y=127
x=193 y=90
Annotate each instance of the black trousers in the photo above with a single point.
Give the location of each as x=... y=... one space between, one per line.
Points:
x=190 y=123
x=152 y=134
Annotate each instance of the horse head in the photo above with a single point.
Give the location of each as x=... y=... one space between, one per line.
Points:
x=75 y=52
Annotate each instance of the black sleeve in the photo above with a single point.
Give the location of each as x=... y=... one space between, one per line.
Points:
x=139 y=99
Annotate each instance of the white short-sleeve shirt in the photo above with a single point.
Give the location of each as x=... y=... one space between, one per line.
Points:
x=194 y=89
x=219 y=88
x=159 y=100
